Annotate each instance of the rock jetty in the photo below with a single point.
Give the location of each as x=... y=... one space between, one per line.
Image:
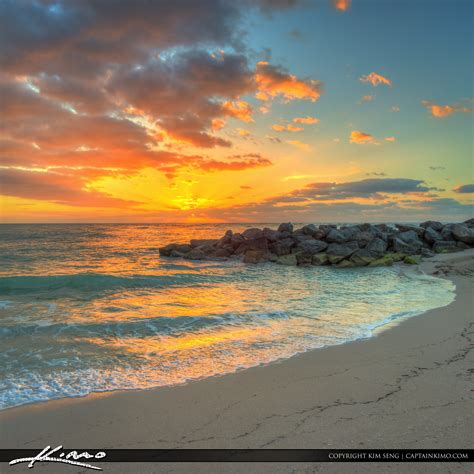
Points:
x=344 y=247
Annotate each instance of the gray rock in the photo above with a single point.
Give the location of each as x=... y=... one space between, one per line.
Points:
x=282 y=247
x=363 y=257
x=270 y=234
x=462 y=245
x=301 y=237
x=236 y=240
x=312 y=246
x=285 y=227
x=469 y=222
x=363 y=238
x=446 y=232
x=463 y=233
x=252 y=244
x=168 y=249
x=195 y=254
x=200 y=242
x=376 y=246
x=335 y=236
x=310 y=229
x=432 y=235
x=427 y=253
x=338 y=252
x=435 y=225
x=411 y=228
x=222 y=253
x=445 y=246
x=350 y=232
x=304 y=258
x=411 y=248
x=253 y=233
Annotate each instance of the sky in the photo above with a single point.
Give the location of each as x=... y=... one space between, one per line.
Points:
x=224 y=111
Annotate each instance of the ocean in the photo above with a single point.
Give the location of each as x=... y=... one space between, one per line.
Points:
x=92 y=307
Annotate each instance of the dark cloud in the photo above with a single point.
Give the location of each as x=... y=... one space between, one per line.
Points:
x=464 y=189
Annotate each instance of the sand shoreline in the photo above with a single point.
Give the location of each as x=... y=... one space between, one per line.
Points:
x=407 y=387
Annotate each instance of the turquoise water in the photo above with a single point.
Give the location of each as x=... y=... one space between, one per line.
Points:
x=86 y=308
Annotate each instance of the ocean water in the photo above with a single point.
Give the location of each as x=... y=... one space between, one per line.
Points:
x=88 y=308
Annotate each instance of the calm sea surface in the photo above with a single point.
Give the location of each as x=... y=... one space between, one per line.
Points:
x=87 y=308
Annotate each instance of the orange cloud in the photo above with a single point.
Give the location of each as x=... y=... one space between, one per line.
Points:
x=242 y=132
x=273 y=82
x=239 y=109
x=390 y=139
x=288 y=128
x=362 y=138
x=368 y=98
x=306 y=120
x=376 y=79
x=342 y=5
x=442 y=111
x=217 y=124
x=298 y=144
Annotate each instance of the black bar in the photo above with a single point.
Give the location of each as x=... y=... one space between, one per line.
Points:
x=257 y=455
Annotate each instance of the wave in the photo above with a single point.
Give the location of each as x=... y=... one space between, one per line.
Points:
x=143 y=327
x=98 y=281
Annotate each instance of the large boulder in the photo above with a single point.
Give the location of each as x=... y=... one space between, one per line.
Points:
x=407 y=242
x=270 y=234
x=282 y=246
x=445 y=246
x=320 y=259
x=469 y=222
x=312 y=246
x=350 y=232
x=411 y=228
x=363 y=237
x=362 y=257
x=377 y=246
x=226 y=240
x=400 y=246
x=447 y=232
x=195 y=254
x=338 y=252
x=335 y=236
x=174 y=249
x=237 y=240
x=222 y=252
x=463 y=233
x=200 y=242
x=310 y=229
x=285 y=227
x=432 y=235
x=346 y=264
x=252 y=233
x=300 y=237
x=259 y=243
x=435 y=225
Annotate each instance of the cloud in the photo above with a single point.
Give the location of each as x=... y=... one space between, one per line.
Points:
x=239 y=109
x=395 y=108
x=376 y=79
x=308 y=120
x=442 y=111
x=273 y=139
x=464 y=189
x=390 y=139
x=61 y=188
x=437 y=168
x=299 y=144
x=287 y=128
x=362 y=138
x=245 y=187
x=341 y=5
x=368 y=98
x=375 y=174
x=242 y=132
x=273 y=81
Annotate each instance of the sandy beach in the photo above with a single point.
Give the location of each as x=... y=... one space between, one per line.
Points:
x=408 y=387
